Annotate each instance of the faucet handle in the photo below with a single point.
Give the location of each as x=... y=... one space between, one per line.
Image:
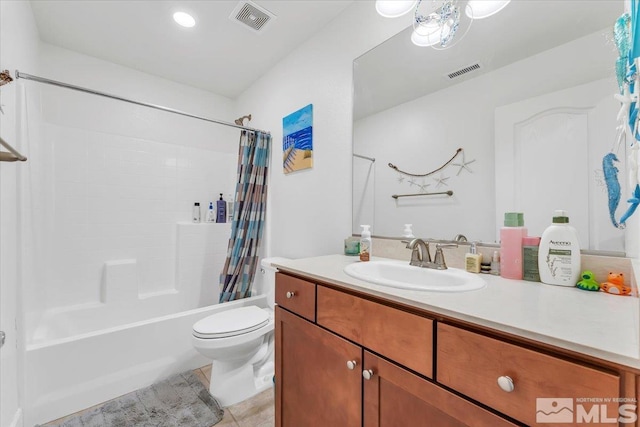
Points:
x=446 y=245
x=438 y=260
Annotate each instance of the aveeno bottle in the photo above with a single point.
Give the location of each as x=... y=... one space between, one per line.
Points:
x=559 y=253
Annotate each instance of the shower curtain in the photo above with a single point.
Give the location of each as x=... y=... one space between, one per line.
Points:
x=249 y=211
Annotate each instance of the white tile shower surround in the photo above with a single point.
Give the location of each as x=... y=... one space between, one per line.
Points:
x=115 y=198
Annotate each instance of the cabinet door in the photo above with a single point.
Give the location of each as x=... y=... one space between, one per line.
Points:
x=315 y=385
x=395 y=397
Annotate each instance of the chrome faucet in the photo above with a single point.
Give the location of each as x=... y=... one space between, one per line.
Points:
x=421 y=257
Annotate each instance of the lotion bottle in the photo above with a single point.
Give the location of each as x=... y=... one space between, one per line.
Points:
x=511 y=236
x=365 y=243
x=559 y=252
x=473 y=259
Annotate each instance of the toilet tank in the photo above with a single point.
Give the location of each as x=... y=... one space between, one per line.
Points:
x=268 y=276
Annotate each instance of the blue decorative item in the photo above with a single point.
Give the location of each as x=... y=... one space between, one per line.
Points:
x=626 y=35
x=621 y=38
x=297 y=140
x=613 y=186
x=634 y=201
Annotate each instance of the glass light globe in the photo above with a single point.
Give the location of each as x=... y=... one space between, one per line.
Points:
x=394 y=8
x=479 y=9
x=425 y=38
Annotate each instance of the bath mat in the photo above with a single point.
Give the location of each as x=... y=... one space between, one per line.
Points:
x=179 y=401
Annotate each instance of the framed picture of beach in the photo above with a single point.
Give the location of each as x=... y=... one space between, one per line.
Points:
x=297 y=140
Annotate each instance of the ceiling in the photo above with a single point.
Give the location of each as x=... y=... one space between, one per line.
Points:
x=218 y=54
x=397 y=71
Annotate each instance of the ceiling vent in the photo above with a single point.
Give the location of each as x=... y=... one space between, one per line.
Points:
x=464 y=70
x=252 y=16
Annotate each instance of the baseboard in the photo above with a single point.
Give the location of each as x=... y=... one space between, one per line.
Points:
x=17 y=419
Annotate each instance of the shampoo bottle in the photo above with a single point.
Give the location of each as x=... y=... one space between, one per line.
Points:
x=221 y=210
x=473 y=259
x=559 y=252
x=365 y=243
x=211 y=214
x=230 y=207
x=511 y=236
x=196 y=212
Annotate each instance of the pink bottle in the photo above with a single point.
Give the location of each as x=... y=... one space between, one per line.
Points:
x=511 y=236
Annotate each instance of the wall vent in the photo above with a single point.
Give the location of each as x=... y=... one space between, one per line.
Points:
x=251 y=16
x=464 y=70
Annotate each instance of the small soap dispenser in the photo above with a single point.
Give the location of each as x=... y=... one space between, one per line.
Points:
x=365 y=243
x=473 y=259
x=408 y=232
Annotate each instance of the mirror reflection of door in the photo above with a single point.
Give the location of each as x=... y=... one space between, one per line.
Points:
x=549 y=150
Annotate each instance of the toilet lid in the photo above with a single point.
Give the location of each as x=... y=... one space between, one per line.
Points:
x=232 y=322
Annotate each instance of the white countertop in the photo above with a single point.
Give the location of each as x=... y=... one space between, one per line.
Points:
x=593 y=323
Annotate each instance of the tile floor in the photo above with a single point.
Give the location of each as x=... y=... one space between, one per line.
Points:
x=259 y=411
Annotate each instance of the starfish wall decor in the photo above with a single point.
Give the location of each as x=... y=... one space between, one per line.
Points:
x=418 y=180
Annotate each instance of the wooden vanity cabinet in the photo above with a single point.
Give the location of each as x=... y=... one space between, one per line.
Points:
x=347 y=360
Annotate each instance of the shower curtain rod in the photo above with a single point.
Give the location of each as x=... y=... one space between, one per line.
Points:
x=26 y=76
x=372 y=159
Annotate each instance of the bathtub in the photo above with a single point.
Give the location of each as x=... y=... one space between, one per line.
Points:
x=67 y=370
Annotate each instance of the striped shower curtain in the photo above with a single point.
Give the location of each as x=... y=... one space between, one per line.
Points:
x=249 y=211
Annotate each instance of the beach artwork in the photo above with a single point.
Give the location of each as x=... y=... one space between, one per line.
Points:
x=297 y=140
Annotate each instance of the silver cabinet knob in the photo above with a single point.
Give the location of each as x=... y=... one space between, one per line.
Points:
x=506 y=383
x=291 y=294
x=351 y=364
x=367 y=374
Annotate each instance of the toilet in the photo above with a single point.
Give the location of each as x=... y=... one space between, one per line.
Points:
x=240 y=341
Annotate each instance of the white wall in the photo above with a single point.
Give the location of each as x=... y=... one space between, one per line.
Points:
x=18 y=48
x=310 y=211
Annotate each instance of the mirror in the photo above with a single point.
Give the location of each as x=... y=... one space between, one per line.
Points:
x=527 y=95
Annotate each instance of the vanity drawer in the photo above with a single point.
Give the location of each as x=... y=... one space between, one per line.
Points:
x=296 y=295
x=403 y=337
x=471 y=364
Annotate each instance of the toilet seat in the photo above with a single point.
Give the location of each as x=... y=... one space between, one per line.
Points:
x=230 y=323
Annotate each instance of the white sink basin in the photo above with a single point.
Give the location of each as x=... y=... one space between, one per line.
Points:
x=399 y=274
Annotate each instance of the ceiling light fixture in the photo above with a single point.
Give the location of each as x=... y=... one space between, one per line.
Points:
x=480 y=9
x=184 y=19
x=394 y=8
x=440 y=23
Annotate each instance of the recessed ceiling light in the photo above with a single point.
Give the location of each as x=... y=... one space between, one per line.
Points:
x=184 y=19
